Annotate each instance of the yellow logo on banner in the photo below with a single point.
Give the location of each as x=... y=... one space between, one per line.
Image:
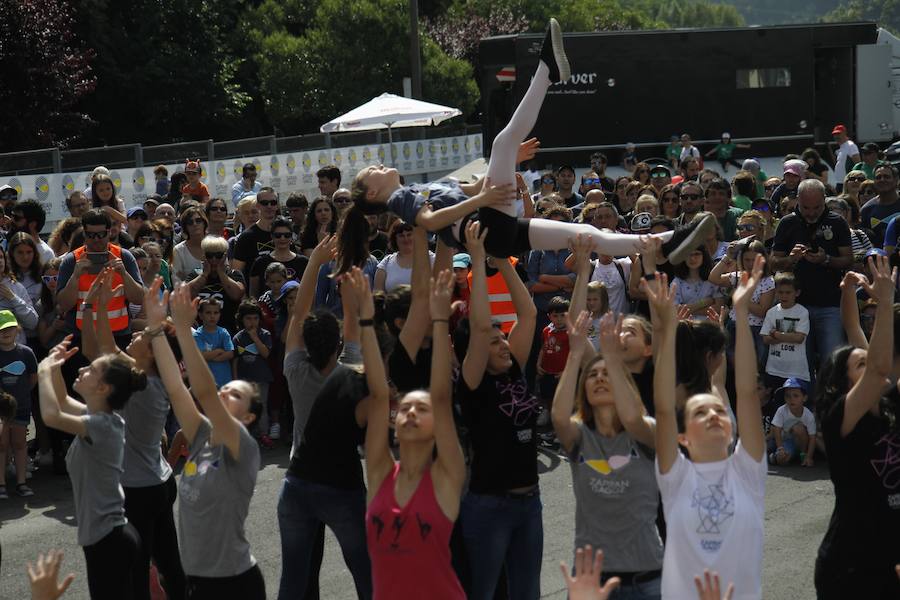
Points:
x=337 y=158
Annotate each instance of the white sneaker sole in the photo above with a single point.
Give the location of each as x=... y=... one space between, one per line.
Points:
x=692 y=241
x=559 y=51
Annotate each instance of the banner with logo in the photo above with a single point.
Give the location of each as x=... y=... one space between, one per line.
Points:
x=287 y=173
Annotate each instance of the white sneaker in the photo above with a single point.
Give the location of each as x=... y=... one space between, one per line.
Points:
x=275 y=431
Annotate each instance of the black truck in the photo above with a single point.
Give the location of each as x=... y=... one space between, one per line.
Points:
x=780 y=88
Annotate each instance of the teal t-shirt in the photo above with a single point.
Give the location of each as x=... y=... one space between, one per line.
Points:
x=725 y=151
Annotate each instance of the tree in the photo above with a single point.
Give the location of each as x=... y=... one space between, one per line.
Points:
x=46 y=71
x=165 y=69
x=352 y=51
x=885 y=12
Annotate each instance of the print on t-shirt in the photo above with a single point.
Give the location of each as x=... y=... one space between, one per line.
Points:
x=517 y=404
x=715 y=507
x=397 y=526
x=266 y=247
x=887 y=467
x=188 y=490
x=602 y=485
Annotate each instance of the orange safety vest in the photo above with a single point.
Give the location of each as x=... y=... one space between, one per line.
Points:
x=500 y=300
x=117 y=309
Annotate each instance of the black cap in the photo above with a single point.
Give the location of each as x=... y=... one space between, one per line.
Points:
x=661 y=168
x=871 y=147
x=561 y=167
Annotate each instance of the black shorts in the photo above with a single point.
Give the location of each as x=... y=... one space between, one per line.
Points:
x=507 y=236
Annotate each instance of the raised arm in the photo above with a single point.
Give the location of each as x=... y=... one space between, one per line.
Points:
x=522 y=333
x=662 y=303
x=57 y=409
x=564 y=424
x=721 y=273
x=749 y=414
x=443 y=257
x=225 y=428
x=629 y=406
x=96 y=333
x=450 y=459
x=417 y=320
x=581 y=266
x=182 y=403
x=866 y=393
x=379 y=461
x=850 y=310
x=480 y=325
x=321 y=254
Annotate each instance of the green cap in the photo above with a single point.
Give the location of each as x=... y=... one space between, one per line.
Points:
x=7 y=319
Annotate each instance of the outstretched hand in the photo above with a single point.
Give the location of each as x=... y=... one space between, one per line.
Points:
x=497 y=195
x=59 y=354
x=155 y=304
x=184 y=309
x=740 y=298
x=610 y=335
x=577 y=330
x=356 y=283
x=581 y=246
x=44 y=577
x=475 y=236
x=661 y=298
x=527 y=150
x=325 y=250
x=709 y=588
x=440 y=292
x=881 y=288
x=586 y=583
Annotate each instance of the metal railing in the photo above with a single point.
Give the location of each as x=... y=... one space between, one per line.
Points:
x=124 y=156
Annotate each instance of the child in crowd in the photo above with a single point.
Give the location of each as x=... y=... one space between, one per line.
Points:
x=692 y=288
x=784 y=331
x=554 y=348
x=793 y=426
x=214 y=341
x=597 y=303
x=18 y=375
x=252 y=346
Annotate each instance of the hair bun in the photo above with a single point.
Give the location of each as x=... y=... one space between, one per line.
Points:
x=138 y=379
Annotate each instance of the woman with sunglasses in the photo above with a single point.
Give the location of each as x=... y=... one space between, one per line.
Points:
x=188 y=254
x=853 y=184
x=217 y=280
x=282 y=239
x=548 y=186
x=669 y=202
x=216 y=215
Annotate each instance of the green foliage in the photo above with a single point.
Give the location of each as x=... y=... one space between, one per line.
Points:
x=691 y=13
x=779 y=12
x=885 y=12
x=353 y=51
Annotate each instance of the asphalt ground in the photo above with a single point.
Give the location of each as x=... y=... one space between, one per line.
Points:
x=798 y=506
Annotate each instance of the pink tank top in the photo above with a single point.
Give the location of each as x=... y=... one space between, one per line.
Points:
x=410 y=546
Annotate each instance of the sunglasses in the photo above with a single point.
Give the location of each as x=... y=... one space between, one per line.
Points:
x=341 y=200
x=548 y=180
x=268 y=202
x=659 y=175
x=48 y=279
x=747 y=227
x=96 y=235
x=690 y=196
x=148 y=238
x=216 y=255
x=281 y=235
x=591 y=181
x=857 y=178
x=762 y=208
x=195 y=222
x=8 y=197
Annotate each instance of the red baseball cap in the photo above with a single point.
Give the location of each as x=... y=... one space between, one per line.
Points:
x=838 y=129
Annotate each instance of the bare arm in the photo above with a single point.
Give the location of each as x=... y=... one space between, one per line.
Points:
x=580 y=264
x=489 y=196
x=480 y=326
x=53 y=392
x=850 y=310
x=380 y=278
x=322 y=253
x=522 y=333
x=564 y=423
x=722 y=272
x=665 y=323
x=749 y=414
x=417 y=320
x=629 y=407
x=866 y=393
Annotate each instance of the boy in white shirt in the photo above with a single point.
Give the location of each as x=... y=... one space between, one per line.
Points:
x=793 y=426
x=784 y=330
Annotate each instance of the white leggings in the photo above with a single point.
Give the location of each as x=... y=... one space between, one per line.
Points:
x=544 y=234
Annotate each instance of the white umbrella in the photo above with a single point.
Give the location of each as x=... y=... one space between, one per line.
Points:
x=388 y=111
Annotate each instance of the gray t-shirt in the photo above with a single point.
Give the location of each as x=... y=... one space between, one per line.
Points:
x=95 y=468
x=407 y=201
x=145 y=418
x=214 y=498
x=304 y=383
x=616 y=500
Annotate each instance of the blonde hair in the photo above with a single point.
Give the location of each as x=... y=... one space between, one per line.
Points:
x=597 y=287
x=214 y=243
x=644 y=200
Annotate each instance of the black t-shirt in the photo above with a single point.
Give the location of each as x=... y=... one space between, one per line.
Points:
x=295 y=266
x=251 y=244
x=501 y=416
x=214 y=289
x=407 y=374
x=819 y=284
x=862 y=544
x=378 y=246
x=328 y=454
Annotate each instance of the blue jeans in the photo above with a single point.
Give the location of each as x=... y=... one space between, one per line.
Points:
x=302 y=506
x=826 y=334
x=647 y=590
x=498 y=529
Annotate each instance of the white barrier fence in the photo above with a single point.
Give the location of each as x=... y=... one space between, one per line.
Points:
x=289 y=172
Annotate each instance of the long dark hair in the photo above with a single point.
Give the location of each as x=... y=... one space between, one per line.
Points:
x=353 y=240
x=694 y=342
x=34 y=269
x=308 y=238
x=682 y=271
x=95 y=199
x=48 y=302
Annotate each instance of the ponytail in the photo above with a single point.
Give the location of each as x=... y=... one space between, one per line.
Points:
x=353 y=240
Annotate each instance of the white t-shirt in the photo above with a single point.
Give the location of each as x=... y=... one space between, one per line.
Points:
x=689 y=151
x=786 y=420
x=787 y=360
x=714 y=518
x=616 y=284
x=847 y=149
x=395 y=274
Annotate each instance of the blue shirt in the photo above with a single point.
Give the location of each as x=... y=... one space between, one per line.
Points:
x=547 y=262
x=407 y=201
x=238 y=192
x=213 y=340
x=326 y=286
